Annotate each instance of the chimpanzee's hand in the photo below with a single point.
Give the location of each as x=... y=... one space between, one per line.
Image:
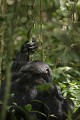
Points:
x=29 y=47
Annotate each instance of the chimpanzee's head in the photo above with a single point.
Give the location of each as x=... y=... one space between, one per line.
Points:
x=37 y=72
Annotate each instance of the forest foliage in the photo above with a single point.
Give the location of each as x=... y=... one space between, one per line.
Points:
x=56 y=26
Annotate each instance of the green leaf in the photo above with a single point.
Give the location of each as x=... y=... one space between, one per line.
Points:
x=28 y=107
x=57 y=3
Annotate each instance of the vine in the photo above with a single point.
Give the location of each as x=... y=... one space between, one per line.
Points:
x=41 y=40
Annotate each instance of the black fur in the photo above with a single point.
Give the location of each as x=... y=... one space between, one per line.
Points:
x=27 y=77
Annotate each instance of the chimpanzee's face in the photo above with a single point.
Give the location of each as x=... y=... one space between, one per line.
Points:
x=37 y=72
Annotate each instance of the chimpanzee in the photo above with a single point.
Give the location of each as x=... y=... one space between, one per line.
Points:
x=27 y=77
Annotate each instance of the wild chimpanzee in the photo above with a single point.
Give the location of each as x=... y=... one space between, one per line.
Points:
x=27 y=77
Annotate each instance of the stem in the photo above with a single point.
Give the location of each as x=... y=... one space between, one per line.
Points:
x=41 y=41
x=2 y=36
x=7 y=90
x=8 y=41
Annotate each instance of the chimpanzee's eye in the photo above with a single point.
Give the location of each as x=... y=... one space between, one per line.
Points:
x=47 y=71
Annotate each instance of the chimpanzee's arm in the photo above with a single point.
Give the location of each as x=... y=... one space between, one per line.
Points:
x=22 y=56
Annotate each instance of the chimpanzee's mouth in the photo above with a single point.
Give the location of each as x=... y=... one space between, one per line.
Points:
x=40 y=81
